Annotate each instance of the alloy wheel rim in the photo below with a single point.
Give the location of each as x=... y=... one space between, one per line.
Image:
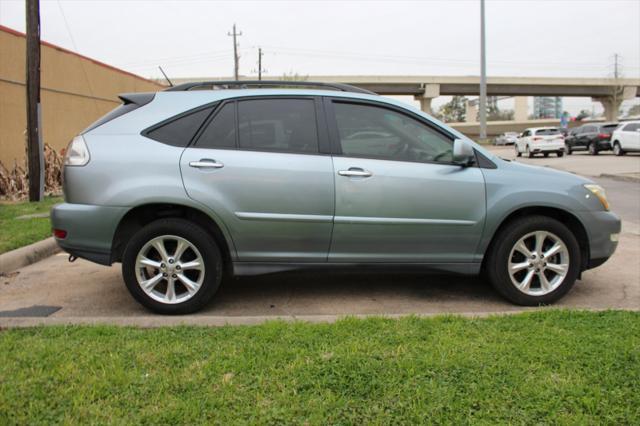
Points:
x=538 y=263
x=170 y=269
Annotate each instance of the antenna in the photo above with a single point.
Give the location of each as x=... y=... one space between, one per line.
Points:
x=165 y=76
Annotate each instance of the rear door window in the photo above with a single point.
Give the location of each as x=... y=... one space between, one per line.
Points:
x=631 y=127
x=221 y=130
x=281 y=125
x=179 y=131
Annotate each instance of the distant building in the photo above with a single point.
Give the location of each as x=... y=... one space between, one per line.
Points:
x=547 y=107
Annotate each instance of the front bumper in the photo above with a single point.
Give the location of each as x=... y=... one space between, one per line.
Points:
x=603 y=228
x=90 y=229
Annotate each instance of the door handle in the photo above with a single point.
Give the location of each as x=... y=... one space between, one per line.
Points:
x=206 y=163
x=355 y=172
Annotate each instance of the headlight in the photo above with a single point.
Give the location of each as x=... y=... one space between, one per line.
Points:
x=77 y=153
x=599 y=192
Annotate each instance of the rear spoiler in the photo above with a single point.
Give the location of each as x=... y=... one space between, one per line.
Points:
x=130 y=102
x=139 y=99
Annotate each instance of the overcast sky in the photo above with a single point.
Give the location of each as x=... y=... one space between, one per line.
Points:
x=189 y=38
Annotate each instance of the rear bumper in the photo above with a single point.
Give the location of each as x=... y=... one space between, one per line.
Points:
x=547 y=147
x=90 y=229
x=603 y=229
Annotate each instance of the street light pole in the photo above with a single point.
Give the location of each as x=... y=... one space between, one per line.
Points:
x=483 y=77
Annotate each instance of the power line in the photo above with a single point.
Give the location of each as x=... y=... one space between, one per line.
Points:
x=236 y=58
x=75 y=48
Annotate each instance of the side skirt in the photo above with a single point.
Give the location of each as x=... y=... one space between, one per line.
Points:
x=261 y=268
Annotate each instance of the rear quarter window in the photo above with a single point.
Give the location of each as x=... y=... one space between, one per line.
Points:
x=180 y=130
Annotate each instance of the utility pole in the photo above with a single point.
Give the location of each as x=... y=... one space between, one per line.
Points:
x=35 y=154
x=236 y=58
x=616 y=72
x=483 y=77
x=259 y=63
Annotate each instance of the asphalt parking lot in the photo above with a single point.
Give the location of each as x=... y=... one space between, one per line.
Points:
x=86 y=293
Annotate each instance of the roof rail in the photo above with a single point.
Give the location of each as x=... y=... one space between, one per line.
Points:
x=246 y=84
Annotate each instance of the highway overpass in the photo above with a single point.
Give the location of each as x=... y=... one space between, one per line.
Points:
x=608 y=91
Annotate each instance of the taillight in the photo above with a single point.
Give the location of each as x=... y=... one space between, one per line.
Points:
x=604 y=135
x=77 y=153
x=61 y=234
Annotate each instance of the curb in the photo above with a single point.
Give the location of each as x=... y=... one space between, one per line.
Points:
x=16 y=259
x=621 y=178
x=151 y=321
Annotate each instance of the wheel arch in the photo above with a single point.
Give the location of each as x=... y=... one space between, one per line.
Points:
x=141 y=215
x=570 y=220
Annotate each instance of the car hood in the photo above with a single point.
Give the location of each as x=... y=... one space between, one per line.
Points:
x=546 y=174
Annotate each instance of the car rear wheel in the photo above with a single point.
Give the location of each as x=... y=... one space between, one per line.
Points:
x=546 y=154
x=617 y=149
x=172 y=266
x=534 y=261
x=593 y=149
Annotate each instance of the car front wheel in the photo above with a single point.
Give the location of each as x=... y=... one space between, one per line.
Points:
x=172 y=266
x=518 y=153
x=534 y=261
x=593 y=149
x=567 y=148
x=617 y=149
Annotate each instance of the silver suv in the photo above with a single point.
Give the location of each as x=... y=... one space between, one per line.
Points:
x=214 y=179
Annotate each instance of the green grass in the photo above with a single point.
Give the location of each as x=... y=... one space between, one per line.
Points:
x=16 y=233
x=548 y=367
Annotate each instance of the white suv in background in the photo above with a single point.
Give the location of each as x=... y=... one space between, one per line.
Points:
x=626 y=138
x=540 y=140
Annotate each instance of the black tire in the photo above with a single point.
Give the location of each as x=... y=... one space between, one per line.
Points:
x=560 y=153
x=497 y=259
x=528 y=152
x=197 y=236
x=568 y=149
x=546 y=154
x=593 y=149
x=518 y=153
x=617 y=149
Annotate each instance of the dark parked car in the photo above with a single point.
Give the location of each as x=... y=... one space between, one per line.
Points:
x=594 y=137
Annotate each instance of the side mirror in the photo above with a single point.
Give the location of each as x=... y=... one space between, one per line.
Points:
x=463 y=153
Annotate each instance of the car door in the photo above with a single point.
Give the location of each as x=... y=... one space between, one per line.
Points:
x=588 y=135
x=399 y=197
x=259 y=165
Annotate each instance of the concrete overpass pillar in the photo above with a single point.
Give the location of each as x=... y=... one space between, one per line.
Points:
x=425 y=105
x=611 y=104
x=471 y=113
x=430 y=91
x=521 y=108
x=611 y=107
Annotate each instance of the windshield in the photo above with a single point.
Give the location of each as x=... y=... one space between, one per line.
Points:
x=547 y=132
